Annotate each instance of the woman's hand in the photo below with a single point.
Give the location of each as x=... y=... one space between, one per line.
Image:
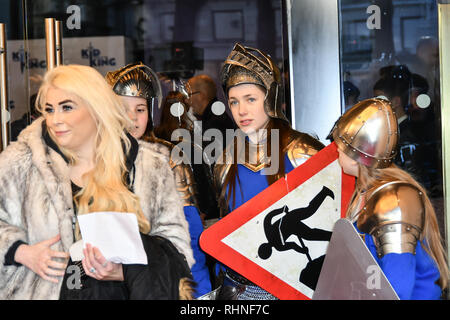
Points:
x=97 y=267
x=40 y=259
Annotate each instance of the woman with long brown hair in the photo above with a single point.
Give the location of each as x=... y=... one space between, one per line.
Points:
x=389 y=207
x=263 y=149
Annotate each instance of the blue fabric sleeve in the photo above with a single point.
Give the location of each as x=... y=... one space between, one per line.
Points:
x=199 y=270
x=413 y=276
x=400 y=270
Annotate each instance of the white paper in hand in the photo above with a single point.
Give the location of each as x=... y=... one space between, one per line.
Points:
x=115 y=234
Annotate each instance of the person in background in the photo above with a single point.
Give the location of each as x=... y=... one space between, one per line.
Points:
x=389 y=208
x=76 y=159
x=18 y=125
x=204 y=194
x=138 y=86
x=203 y=95
x=351 y=94
x=418 y=143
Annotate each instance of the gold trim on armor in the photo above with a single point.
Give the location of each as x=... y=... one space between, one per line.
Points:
x=298 y=152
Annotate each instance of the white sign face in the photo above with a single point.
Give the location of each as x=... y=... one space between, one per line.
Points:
x=102 y=53
x=298 y=228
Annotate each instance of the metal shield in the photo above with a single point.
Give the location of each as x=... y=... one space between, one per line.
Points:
x=349 y=271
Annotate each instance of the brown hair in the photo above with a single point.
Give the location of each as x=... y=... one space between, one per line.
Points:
x=232 y=174
x=169 y=122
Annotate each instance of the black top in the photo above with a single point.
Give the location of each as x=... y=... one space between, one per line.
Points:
x=211 y=120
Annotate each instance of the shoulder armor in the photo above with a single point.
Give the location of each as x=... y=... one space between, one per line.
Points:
x=301 y=148
x=184 y=177
x=185 y=183
x=394 y=215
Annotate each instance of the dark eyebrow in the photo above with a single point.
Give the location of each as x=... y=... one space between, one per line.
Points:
x=65 y=101
x=60 y=103
x=245 y=96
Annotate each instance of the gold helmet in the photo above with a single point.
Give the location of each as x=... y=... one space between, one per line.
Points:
x=136 y=80
x=368 y=133
x=249 y=65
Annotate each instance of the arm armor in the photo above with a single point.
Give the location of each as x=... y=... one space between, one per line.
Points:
x=184 y=178
x=185 y=183
x=301 y=148
x=394 y=215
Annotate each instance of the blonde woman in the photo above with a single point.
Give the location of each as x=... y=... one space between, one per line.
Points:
x=390 y=209
x=76 y=159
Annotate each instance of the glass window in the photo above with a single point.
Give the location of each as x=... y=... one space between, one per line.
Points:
x=177 y=38
x=390 y=48
x=11 y=15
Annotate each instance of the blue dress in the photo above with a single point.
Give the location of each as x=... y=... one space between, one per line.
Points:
x=413 y=276
x=199 y=270
x=252 y=183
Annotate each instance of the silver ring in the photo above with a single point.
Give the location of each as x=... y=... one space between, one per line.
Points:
x=92 y=270
x=105 y=264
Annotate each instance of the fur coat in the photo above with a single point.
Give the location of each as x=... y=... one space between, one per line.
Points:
x=36 y=204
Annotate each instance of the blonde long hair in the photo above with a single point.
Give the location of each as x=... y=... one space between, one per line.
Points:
x=369 y=177
x=105 y=187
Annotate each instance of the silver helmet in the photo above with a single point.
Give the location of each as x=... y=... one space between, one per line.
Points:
x=368 y=133
x=250 y=65
x=136 y=80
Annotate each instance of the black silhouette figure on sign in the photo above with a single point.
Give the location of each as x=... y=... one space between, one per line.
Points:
x=290 y=223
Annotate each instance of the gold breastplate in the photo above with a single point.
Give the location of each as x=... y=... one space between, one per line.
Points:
x=256 y=157
x=300 y=148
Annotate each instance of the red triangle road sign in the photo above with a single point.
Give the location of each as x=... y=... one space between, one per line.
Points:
x=278 y=239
